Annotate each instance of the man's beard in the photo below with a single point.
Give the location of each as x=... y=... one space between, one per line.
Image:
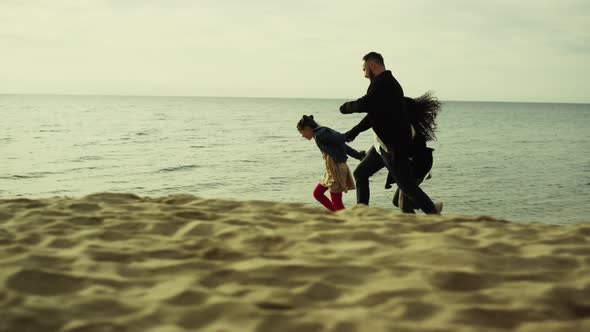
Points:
x=371 y=75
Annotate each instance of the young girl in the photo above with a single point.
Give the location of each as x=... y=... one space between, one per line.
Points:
x=334 y=151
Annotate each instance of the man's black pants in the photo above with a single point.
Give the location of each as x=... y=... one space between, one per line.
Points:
x=398 y=164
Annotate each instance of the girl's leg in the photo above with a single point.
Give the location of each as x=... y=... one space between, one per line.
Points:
x=337 y=201
x=318 y=194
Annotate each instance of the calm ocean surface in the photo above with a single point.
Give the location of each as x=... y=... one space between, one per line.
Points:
x=520 y=161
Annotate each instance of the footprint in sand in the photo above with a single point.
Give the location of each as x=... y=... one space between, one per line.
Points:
x=85 y=221
x=188 y=298
x=194 y=215
x=38 y=282
x=288 y=323
x=84 y=207
x=504 y=319
x=383 y=297
x=4 y=217
x=112 y=198
x=458 y=281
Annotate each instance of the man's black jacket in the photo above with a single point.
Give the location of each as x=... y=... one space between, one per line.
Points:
x=386 y=111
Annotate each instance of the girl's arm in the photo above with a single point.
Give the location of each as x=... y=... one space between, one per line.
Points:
x=330 y=136
x=354 y=153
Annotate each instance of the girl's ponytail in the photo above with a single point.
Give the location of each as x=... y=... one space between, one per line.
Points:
x=307 y=121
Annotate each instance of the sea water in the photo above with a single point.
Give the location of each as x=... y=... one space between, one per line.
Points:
x=519 y=161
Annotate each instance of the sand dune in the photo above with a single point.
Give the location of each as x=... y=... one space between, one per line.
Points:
x=119 y=262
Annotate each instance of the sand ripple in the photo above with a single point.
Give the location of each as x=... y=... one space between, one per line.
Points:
x=120 y=262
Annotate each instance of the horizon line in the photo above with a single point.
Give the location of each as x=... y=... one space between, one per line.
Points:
x=266 y=97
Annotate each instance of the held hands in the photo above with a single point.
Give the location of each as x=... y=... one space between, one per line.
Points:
x=350 y=135
x=362 y=155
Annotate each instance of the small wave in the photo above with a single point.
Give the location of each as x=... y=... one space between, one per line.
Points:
x=177 y=168
x=58 y=192
x=26 y=176
x=86 y=144
x=81 y=169
x=146 y=132
x=15 y=177
x=117 y=182
x=271 y=138
x=87 y=158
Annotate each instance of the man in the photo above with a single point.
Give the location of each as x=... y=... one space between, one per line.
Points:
x=387 y=114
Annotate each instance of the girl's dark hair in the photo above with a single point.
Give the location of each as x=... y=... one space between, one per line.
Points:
x=423 y=111
x=307 y=121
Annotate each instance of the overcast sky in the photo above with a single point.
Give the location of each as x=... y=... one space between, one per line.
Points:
x=503 y=50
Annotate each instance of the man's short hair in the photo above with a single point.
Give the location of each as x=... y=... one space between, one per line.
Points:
x=375 y=57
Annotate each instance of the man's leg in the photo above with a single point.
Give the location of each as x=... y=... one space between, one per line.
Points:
x=399 y=199
x=368 y=166
x=420 y=166
x=406 y=204
x=398 y=163
x=396 y=196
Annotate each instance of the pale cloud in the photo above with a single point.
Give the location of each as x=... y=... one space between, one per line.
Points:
x=464 y=50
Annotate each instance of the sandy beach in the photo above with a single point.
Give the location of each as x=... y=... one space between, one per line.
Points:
x=120 y=262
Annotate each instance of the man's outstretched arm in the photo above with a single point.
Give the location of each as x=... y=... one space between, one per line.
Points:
x=359 y=128
x=364 y=104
